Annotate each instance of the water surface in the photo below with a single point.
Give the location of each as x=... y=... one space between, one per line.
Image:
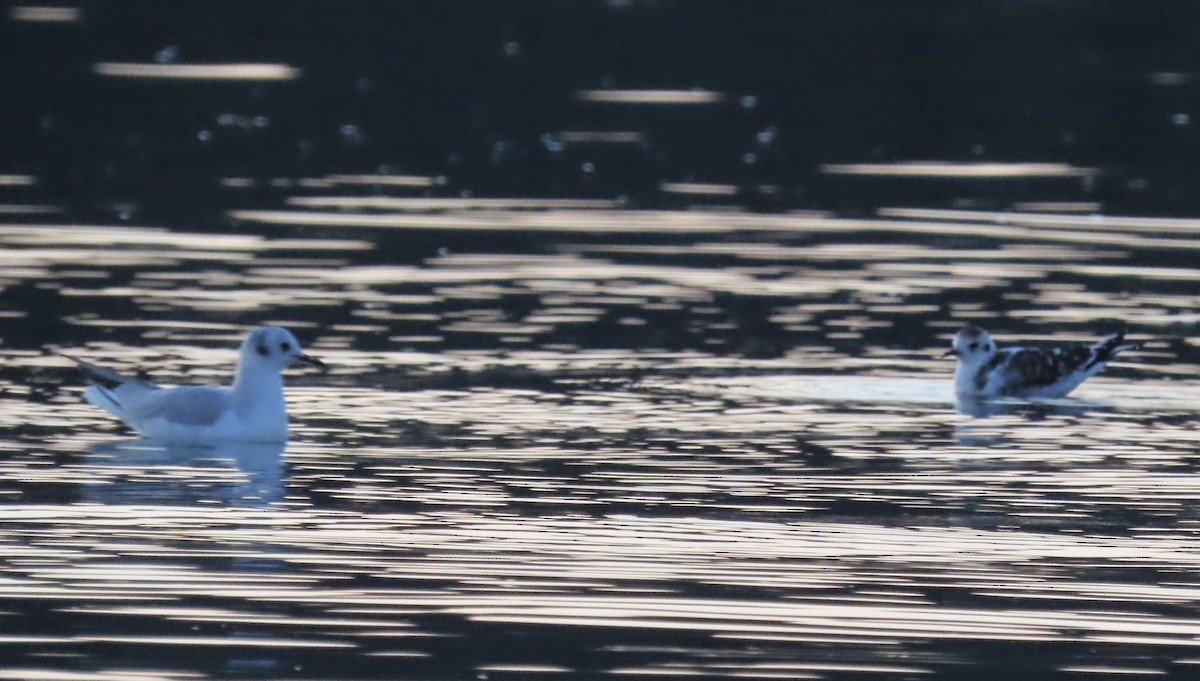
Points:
x=570 y=442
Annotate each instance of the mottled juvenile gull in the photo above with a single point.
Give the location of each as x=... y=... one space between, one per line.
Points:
x=985 y=370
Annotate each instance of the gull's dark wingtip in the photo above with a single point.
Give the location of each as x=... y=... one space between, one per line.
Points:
x=105 y=378
x=1113 y=345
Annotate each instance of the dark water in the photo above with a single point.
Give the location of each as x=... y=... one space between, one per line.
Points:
x=557 y=99
x=584 y=428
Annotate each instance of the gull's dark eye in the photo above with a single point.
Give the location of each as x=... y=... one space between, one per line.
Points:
x=987 y=348
x=973 y=346
x=262 y=349
x=285 y=346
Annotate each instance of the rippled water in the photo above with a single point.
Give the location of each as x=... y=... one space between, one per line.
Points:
x=562 y=441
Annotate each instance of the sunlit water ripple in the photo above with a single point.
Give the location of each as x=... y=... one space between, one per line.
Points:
x=641 y=444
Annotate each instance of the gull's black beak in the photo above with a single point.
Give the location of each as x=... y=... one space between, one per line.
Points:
x=950 y=353
x=311 y=361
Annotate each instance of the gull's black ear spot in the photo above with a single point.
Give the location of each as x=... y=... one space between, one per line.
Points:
x=973 y=346
x=262 y=349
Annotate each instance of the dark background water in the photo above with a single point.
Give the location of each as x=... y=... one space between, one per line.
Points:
x=479 y=95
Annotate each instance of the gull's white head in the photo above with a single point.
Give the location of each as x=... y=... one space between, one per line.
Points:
x=273 y=348
x=972 y=346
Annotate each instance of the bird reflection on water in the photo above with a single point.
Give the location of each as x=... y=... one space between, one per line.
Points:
x=139 y=471
x=1030 y=409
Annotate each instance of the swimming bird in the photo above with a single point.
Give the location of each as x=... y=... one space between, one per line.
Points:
x=985 y=370
x=251 y=410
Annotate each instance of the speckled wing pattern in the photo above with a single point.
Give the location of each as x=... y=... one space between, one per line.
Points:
x=1020 y=369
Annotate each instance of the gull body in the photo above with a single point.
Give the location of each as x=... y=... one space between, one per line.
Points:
x=252 y=409
x=984 y=370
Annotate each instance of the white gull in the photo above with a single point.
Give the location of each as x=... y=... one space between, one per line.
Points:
x=251 y=410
